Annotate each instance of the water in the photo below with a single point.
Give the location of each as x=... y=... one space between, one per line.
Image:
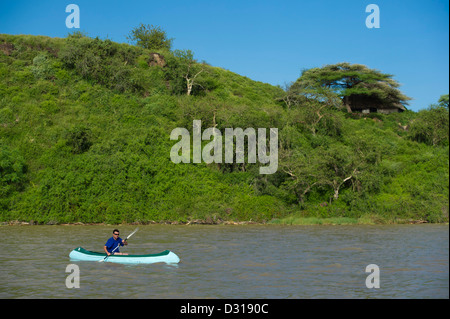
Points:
x=231 y=262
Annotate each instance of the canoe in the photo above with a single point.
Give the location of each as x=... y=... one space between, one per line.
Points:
x=81 y=254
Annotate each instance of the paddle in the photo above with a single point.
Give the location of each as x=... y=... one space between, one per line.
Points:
x=101 y=260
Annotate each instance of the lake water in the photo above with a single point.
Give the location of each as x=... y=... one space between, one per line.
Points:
x=224 y=261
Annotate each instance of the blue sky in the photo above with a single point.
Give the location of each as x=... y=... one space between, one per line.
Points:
x=271 y=41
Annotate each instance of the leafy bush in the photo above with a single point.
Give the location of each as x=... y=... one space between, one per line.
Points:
x=13 y=177
x=150 y=37
x=103 y=62
x=79 y=139
x=42 y=67
x=431 y=126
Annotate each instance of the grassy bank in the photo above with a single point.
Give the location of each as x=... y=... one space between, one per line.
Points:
x=291 y=220
x=365 y=220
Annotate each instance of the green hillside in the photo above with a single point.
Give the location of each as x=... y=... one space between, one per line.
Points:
x=84 y=137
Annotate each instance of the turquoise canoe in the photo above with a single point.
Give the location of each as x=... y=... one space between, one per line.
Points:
x=81 y=254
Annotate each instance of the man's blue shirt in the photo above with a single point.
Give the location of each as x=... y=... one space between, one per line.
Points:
x=111 y=244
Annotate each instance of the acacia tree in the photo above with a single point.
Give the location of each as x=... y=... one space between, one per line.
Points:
x=317 y=108
x=351 y=82
x=337 y=165
x=190 y=69
x=302 y=171
x=150 y=37
x=443 y=101
x=432 y=124
x=331 y=168
x=320 y=168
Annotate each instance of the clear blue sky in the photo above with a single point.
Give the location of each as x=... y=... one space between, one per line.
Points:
x=271 y=41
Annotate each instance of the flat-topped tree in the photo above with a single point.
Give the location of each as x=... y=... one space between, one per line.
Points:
x=360 y=88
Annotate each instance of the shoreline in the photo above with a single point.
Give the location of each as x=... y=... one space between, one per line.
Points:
x=306 y=221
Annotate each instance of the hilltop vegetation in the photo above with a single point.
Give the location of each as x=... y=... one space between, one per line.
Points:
x=84 y=137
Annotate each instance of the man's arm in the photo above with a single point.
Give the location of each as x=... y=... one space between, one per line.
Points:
x=106 y=250
x=123 y=242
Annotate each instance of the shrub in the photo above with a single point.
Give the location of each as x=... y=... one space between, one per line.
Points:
x=101 y=61
x=431 y=126
x=42 y=67
x=13 y=177
x=79 y=139
x=150 y=37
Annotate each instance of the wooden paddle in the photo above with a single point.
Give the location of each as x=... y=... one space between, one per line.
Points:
x=102 y=260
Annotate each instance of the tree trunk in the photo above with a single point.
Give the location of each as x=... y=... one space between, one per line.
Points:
x=190 y=81
x=189 y=87
x=347 y=104
x=336 y=193
x=337 y=186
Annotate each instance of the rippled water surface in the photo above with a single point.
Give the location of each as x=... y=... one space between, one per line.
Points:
x=231 y=262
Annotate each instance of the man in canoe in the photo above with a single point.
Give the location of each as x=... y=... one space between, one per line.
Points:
x=111 y=246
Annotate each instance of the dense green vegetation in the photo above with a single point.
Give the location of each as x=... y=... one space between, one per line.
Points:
x=84 y=137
